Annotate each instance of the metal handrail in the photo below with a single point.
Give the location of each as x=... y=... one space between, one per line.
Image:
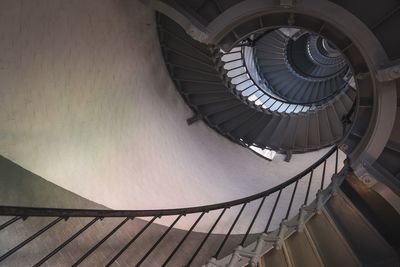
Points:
x=23 y=213
x=55 y=212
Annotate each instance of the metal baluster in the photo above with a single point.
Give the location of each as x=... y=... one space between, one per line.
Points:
x=309 y=186
x=130 y=242
x=229 y=231
x=29 y=239
x=183 y=239
x=9 y=222
x=291 y=200
x=158 y=241
x=60 y=247
x=323 y=175
x=336 y=160
x=273 y=211
x=206 y=237
x=252 y=221
x=87 y=254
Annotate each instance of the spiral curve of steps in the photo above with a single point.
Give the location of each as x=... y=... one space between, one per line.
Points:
x=210 y=93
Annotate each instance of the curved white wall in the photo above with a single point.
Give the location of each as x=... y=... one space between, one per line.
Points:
x=86 y=102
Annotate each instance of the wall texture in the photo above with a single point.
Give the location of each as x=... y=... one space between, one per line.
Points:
x=19 y=187
x=86 y=103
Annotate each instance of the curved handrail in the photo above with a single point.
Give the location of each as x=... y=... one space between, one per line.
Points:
x=29 y=211
x=22 y=213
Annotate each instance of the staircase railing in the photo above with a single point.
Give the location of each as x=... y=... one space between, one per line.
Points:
x=297 y=190
x=239 y=72
x=238 y=76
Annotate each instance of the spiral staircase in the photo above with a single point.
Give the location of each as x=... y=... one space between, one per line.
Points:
x=289 y=76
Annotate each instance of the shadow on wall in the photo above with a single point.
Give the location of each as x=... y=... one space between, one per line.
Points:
x=20 y=187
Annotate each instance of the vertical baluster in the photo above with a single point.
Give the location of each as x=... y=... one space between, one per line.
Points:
x=273 y=211
x=253 y=220
x=158 y=241
x=308 y=187
x=229 y=231
x=291 y=200
x=90 y=251
x=205 y=239
x=183 y=239
x=323 y=175
x=336 y=160
x=131 y=242
x=29 y=239
x=9 y=222
x=66 y=242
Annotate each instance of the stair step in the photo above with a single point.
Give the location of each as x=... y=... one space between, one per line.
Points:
x=301 y=252
x=334 y=122
x=314 y=138
x=188 y=62
x=302 y=132
x=209 y=98
x=212 y=108
x=368 y=245
x=238 y=121
x=274 y=258
x=332 y=248
x=198 y=88
x=325 y=127
x=289 y=135
x=278 y=135
x=256 y=127
x=246 y=127
x=228 y=114
x=265 y=135
x=377 y=210
x=187 y=74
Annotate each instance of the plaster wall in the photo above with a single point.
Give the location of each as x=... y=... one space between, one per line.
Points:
x=86 y=103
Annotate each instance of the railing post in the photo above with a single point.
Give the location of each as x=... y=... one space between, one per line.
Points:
x=309 y=186
x=336 y=160
x=229 y=231
x=235 y=257
x=281 y=234
x=301 y=218
x=272 y=212
x=319 y=202
x=323 y=176
x=206 y=237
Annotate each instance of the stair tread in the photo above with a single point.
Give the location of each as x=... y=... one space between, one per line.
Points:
x=333 y=249
x=300 y=251
x=365 y=241
x=275 y=258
